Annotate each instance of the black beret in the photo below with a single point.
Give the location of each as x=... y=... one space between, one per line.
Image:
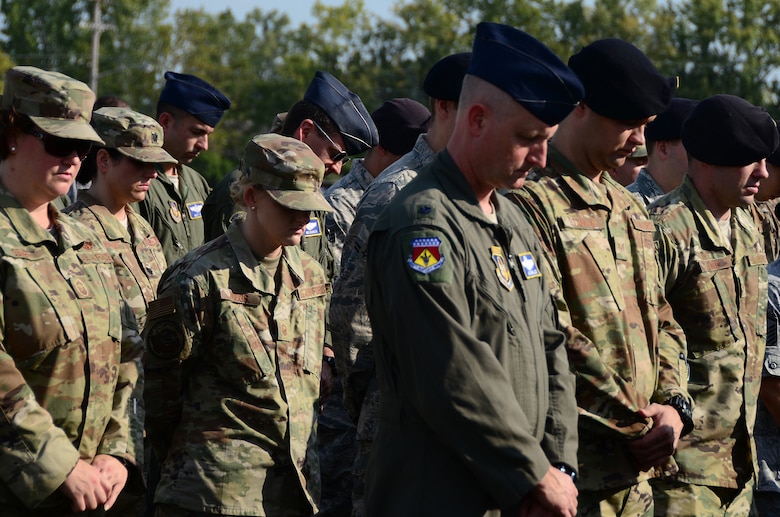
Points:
x=526 y=70
x=728 y=131
x=195 y=96
x=668 y=125
x=400 y=122
x=445 y=78
x=346 y=110
x=774 y=158
x=620 y=81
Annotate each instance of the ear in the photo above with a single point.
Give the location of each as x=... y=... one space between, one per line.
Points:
x=662 y=148
x=477 y=116
x=165 y=120
x=101 y=161
x=250 y=197
x=304 y=129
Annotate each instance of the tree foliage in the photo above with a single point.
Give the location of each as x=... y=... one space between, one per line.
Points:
x=264 y=63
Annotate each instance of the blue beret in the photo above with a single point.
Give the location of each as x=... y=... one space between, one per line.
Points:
x=346 y=110
x=400 y=122
x=445 y=78
x=527 y=70
x=668 y=125
x=620 y=81
x=728 y=131
x=195 y=96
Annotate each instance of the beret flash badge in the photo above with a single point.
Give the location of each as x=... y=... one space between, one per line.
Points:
x=426 y=256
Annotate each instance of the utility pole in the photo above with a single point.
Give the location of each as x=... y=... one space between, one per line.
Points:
x=98 y=28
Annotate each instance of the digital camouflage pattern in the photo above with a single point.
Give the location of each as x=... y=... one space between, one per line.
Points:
x=233 y=380
x=175 y=214
x=718 y=291
x=132 y=134
x=139 y=263
x=645 y=188
x=349 y=323
x=623 y=343
x=66 y=367
x=767 y=432
x=477 y=396
x=344 y=196
x=764 y=215
x=58 y=104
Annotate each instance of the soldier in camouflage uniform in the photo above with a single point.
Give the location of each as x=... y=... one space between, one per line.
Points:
x=120 y=173
x=188 y=110
x=764 y=210
x=666 y=157
x=716 y=281
x=66 y=373
x=234 y=351
x=350 y=327
x=626 y=349
x=477 y=407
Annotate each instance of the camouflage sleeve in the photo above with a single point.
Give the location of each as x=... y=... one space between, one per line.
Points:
x=116 y=438
x=37 y=455
x=672 y=344
x=605 y=399
x=174 y=323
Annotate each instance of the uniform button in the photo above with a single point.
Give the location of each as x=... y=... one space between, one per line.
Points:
x=773 y=365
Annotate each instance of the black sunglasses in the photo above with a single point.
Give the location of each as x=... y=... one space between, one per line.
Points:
x=341 y=155
x=61 y=147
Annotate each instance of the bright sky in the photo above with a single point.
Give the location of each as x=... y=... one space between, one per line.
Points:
x=298 y=10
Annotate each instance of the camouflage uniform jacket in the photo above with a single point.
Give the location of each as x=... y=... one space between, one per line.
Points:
x=624 y=346
x=349 y=323
x=476 y=394
x=645 y=188
x=718 y=292
x=344 y=196
x=65 y=372
x=175 y=215
x=767 y=432
x=765 y=217
x=233 y=380
x=139 y=261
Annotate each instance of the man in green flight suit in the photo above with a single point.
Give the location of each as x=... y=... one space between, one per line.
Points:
x=477 y=410
x=188 y=110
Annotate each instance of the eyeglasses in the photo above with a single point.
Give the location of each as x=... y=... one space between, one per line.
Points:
x=341 y=154
x=61 y=147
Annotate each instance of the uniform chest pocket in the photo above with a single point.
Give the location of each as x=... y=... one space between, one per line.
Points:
x=241 y=347
x=588 y=254
x=709 y=306
x=307 y=321
x=40 y=312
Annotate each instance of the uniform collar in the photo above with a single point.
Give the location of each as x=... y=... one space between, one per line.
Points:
x=588 y=191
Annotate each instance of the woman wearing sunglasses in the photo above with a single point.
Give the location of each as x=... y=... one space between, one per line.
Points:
x=65 y=372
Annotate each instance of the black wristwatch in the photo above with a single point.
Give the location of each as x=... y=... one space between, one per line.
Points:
x=685 y=411
x=566 y=470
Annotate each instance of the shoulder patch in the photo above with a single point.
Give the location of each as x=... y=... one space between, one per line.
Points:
x=165 y=339
x=426 y=256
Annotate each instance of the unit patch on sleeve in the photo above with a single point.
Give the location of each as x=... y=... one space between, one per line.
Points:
x=530 y=269
x=426 y=255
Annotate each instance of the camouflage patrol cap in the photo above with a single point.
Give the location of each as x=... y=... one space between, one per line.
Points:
x=132 y=134
x=60 y=105
x=288 y=169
